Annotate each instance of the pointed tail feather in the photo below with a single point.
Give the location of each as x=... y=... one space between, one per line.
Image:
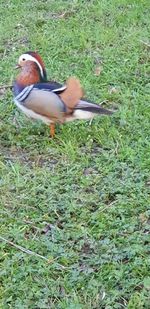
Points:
x=93 y=108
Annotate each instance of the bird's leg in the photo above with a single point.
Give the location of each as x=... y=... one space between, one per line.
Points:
x=52 y=129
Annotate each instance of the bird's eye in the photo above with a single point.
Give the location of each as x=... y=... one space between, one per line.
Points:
x=23 y=59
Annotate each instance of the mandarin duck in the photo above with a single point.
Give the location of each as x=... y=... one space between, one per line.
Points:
x=50 y=101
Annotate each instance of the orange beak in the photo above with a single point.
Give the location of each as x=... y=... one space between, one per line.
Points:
x=17 y=66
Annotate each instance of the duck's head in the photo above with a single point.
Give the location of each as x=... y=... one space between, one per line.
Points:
x=36 y=58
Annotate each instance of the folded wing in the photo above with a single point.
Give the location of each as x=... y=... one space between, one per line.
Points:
x=45 y=103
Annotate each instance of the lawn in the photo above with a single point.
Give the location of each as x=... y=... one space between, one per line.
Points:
x=78 y=202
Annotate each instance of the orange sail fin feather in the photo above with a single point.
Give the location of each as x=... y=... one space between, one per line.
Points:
x=72 y=94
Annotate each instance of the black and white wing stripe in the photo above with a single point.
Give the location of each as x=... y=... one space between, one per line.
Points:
x=24 y=93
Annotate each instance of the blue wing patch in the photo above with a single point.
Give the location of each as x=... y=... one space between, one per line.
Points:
x=50 y=86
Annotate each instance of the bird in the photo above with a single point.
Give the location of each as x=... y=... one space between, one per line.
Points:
x=50 y=101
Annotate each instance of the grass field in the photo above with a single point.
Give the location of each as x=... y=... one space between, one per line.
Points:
x=80 y=201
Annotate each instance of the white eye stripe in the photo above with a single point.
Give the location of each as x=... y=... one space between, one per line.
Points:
x=31 y=58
